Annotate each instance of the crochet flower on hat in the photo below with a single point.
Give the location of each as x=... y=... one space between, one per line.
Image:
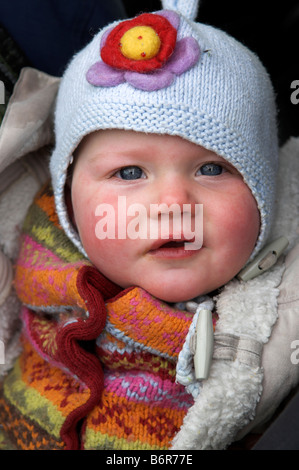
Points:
x=144 y=52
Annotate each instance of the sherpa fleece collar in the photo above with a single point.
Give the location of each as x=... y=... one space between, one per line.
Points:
x=228 y=398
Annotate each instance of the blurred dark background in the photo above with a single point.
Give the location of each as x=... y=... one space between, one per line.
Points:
x=46 y=33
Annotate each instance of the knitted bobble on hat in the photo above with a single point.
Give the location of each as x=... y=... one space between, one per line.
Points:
x=187 y=8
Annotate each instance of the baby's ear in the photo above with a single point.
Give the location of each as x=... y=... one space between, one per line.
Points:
x=69 y=203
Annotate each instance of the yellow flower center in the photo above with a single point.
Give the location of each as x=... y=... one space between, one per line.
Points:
x=140 y=43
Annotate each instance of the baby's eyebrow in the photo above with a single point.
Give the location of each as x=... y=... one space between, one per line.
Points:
x=139 y=153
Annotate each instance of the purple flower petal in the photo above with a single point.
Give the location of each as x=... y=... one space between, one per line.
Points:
x=104 y=37
x=101 y=74
x=150 y=81
x=171 y=16
x=186 y=54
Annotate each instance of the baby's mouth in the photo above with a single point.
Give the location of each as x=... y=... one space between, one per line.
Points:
x=172 y=248
x=173 y=244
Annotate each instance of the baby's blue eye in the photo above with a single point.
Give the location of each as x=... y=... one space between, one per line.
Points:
x=211 y=169
x=130 y=173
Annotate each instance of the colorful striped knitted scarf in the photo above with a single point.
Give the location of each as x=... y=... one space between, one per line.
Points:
x=97 y=369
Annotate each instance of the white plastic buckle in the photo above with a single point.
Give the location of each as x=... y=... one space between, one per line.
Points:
x=203 y=344
x=265 y=260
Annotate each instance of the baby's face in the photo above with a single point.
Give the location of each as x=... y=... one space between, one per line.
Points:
x=115 y=169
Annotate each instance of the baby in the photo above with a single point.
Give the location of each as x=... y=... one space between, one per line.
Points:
x=163 y=169
x=157 y=112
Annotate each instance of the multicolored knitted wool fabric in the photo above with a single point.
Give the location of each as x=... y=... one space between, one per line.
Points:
x=97 y=369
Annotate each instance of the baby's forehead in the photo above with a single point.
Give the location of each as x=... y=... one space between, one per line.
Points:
x=100 y=144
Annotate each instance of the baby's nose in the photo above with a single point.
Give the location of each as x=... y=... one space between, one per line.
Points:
x=175 y=190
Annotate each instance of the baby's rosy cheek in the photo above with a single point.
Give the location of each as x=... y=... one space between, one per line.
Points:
x=85 y=219
x=243 y=224
x=102 y=231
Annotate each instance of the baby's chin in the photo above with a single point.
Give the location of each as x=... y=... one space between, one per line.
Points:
x=174 y=295
x=172 y=289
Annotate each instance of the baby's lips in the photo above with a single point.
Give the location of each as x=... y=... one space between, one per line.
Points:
x=170 y=240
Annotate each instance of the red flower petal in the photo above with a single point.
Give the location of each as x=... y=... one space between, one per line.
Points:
x=111 y=51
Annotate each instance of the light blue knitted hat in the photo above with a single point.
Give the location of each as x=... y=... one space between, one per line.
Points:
x=194 y=81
